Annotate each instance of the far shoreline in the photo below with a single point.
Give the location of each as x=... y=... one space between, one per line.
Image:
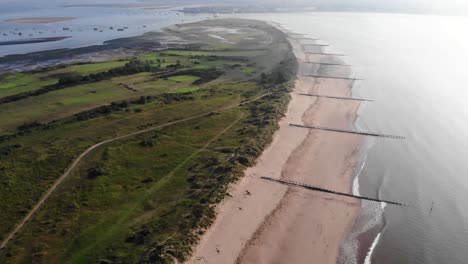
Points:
x=32 y=40
x=38 y=20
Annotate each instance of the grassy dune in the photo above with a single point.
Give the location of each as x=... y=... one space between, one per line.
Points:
x=146 y=198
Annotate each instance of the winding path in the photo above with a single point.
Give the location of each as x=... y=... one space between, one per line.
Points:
x=87 y=151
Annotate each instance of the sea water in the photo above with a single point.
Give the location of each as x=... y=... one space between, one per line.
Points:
x=414 y=67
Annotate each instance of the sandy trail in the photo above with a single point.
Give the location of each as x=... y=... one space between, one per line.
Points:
x=266 y=222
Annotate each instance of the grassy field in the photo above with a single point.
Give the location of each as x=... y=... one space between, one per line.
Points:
x=215 y=53
x=62 y=103
x=87 y=68
x=14 y=83
x=186 y=89
x=183 y=79
x=145 y=198
x=248 y=70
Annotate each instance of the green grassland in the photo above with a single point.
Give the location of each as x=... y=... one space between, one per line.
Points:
x=13 y=83
x=215 y=53
x=183 y=78
x=87 y=68
x=186 y=89
x=145 y=198
x=248 y=70
x=62 y=103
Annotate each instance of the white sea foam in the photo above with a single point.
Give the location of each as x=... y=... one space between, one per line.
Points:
x=356 y=178
x=376 y=240
x=371 y=215
x=371 y=249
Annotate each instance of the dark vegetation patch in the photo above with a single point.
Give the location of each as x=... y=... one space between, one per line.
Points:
x=8 y=149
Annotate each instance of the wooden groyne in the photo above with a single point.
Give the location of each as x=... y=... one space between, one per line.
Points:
x=337 y=97
x=315 y=45
x=295 y=34
x=306 y=38
x=327 y=54
x=313 y=188
x=332 y=77
x=348 y=131
x=326 y=64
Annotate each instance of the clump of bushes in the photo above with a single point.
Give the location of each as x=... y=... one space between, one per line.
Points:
x=7 y=150
x=147 y=143
x=95 y=172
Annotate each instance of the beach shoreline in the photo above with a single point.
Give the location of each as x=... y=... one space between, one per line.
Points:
x=265 y=222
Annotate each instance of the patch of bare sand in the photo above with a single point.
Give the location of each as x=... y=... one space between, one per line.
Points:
x=266 y=222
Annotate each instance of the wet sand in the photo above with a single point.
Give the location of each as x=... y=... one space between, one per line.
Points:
x=266 y=222
x=38 y=20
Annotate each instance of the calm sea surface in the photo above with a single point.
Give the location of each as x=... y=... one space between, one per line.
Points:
x=415 y=69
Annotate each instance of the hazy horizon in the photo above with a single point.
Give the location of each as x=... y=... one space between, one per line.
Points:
x=449 y=7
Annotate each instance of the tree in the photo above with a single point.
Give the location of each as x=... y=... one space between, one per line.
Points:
x=95 y=172
x=142 y=100
x=70 y=78
x=263 y=78
x=280 y=78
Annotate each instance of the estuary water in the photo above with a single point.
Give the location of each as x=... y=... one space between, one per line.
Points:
x=92 y=24
x=414 y=67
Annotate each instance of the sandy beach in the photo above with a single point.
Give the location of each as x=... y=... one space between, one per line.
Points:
x=266 y=222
